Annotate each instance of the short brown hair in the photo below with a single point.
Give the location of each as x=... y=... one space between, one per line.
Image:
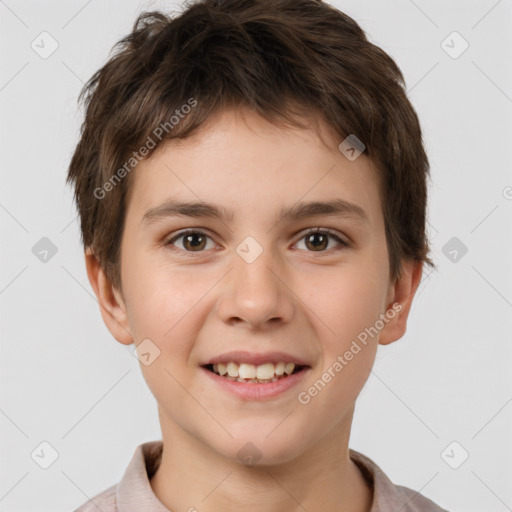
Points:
x=283 y=59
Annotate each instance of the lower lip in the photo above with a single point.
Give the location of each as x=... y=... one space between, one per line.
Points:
x=255 y=391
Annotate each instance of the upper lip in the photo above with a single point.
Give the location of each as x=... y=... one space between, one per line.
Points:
x=242 y=356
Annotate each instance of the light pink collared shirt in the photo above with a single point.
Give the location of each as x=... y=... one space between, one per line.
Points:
x=134 y=493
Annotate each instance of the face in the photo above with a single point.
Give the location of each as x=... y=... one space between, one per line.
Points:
x=256 y=281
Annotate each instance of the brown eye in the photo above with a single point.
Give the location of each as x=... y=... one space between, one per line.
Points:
x=196 y=241
x=317 y=240
x=192 y=241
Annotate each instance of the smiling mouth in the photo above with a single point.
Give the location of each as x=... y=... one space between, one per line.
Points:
x=257 y=374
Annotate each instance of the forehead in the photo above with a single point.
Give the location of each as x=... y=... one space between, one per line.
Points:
x=241 y=162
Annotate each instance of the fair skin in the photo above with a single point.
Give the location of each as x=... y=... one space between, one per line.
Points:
x=294 y=297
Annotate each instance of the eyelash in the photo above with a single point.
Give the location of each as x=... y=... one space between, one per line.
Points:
x=323 y=231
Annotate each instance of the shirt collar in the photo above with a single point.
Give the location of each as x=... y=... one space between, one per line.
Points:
x=134 y=491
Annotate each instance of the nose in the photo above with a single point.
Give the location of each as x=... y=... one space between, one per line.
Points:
x=257 y=293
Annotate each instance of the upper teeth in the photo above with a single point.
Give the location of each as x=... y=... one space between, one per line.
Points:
x=250 y=371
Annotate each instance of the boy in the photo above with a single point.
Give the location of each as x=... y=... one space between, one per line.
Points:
x=278 y=142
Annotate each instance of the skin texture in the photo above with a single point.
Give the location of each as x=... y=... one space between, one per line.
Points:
x=309 y=302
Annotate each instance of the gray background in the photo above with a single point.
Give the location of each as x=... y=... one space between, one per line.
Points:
x=66 y=381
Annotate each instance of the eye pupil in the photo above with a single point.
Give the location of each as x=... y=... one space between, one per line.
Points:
x=191 y=236
x=316 y=245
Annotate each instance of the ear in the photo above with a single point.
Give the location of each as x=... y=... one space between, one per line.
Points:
x=401 y=292
x=112 y=306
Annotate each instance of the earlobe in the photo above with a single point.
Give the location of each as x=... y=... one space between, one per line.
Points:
x=112 y=307
x=402 y=293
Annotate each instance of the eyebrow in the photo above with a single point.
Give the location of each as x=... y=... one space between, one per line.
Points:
x=200 y=209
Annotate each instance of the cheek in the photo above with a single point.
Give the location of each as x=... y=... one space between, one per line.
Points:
x=346 y=307
x=166 y=307
x=346 y=302
x=160 y=295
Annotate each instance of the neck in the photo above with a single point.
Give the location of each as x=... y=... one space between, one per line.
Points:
x=192 y=476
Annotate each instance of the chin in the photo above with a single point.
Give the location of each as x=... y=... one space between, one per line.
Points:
x=254 y=447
